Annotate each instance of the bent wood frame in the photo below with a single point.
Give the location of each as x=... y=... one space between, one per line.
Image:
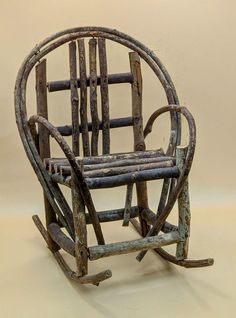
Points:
x=57 y=208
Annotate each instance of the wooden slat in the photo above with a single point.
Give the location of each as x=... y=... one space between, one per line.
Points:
x=108 y=158
x=74 y=98
x=98 y=170
x=123 y=179
x=93 y=96
x=118 y=78
x=43 y=139
x=104 y=96
x=114 y=123
x=126 y=169
x=113 y=215
x=99 y=251
x=138 y=130
x=83 y=98
x=126 y=178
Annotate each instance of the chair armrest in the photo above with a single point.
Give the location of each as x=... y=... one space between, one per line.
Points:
x=53 y=131
x=191 y=125
x=77 y=174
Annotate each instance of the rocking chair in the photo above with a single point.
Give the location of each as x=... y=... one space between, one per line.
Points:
x=67 y=229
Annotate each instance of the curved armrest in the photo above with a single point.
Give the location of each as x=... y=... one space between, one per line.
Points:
x=76 y=171
x=60 y=140
x=191 y=125
x=160 y=219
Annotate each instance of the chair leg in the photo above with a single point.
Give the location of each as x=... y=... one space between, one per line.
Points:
x=128 y=204
x=184 y=210
x=142 y=199
x=184 y=223
x=50 y=217
x=81 y=255
x=94 y=279
x=188 y=263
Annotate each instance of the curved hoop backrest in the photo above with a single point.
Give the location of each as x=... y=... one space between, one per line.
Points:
x=55 y=41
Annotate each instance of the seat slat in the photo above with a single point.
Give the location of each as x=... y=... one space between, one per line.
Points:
x=104 y=96
x=74 y=98
x=109 y=158
x=93 y=96
x=66 y=170
x=127 y=178
x=83 y=98
x=112 y=171
x=123 y=179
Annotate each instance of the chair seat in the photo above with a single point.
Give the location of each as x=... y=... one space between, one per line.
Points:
x=116 y=169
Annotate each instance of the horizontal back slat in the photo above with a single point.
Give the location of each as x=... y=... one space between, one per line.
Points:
x=118 y=78
x=114 y=123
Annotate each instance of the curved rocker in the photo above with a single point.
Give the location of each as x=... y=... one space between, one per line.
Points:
x=67 y=229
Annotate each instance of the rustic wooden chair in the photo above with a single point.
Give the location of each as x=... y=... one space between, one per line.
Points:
x=66 y=229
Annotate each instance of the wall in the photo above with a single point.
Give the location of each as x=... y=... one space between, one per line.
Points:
x=195 y=41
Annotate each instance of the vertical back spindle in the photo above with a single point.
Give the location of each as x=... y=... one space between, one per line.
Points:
x=104 y=96
x=139 y=144
x=93 y=96
x=83 y=98
x=43 y=142
x=74 y=98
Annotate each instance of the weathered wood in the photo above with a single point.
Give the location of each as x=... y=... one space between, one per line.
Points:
x=112 y=79
x=80 y=229
x=150 y=217
x=74 y=98
x=36 y=55
x=139 y=144
x=104 y=96
x=114 y=123
x=93 y=96
x=41 y=229
x=66 y=169
x=170 y=258
x=82 y=185
x=128 y=203
x=187 y=263
x=123 y=179
x=113 y=215
x=184 y=209
x=83 y=98
x=99 y=251
x=109 y=158
x=160 y=219
x=43 y=136
x=125 y=169
x=61 y=239
x=136 y=88
x=94 y=279
x=127 y=178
